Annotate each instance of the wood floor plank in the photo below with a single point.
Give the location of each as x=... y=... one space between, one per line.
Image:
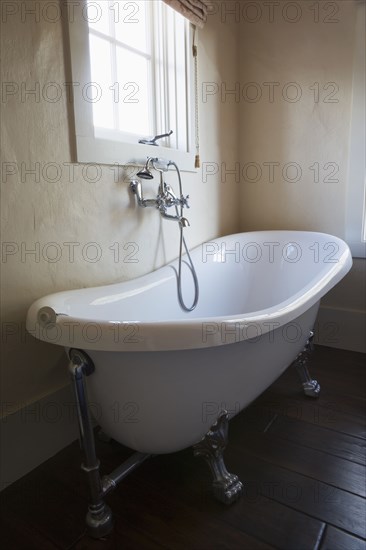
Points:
x=279 y=524
x=254 y=514
x=254 y=419
x=324 y=467
x=336 y=383
x=44 y=504
x=310 y=411
x=166 y=521
x=340 y=402
x=175 y=524
x=14 y=534
x=335 y=539
x=334 y=359
x=301 y=462
x=312 y=497
x=128 y=539
x=184 y=515
x=338 y=373
x=319 y=438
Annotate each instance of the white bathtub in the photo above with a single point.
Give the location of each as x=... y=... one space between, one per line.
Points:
x=163 y=375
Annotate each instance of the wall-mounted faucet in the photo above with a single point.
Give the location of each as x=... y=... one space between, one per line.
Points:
x=165 y=197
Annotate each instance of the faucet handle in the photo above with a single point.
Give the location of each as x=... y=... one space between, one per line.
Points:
x=184 y=201
x=152 y=140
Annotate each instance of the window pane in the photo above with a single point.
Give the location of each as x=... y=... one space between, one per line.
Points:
x=135 y=93
x=181 y=83
x=99 y=92
x=175 y=77
x=131 y=27
x=169 y=32
x=97 y=15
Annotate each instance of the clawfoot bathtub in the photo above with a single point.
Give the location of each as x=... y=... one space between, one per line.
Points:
x=160 y=377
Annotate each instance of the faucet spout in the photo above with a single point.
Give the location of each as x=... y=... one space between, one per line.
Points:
x=183 y=222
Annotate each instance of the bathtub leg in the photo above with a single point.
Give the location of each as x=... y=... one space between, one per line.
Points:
x=310 y=386
x=226 y=487
x=99 y=517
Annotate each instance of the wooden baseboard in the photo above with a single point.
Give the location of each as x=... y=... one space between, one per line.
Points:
x=35 y=432
x=341 y=328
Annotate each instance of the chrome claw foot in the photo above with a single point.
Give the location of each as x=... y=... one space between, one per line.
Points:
x=311 y=387
x=227 y=487
x=99 y=520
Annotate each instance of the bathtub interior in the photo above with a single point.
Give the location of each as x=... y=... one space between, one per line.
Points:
x=237 y=275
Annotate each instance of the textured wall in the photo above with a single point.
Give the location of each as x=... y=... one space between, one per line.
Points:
x=61 y=204
x=296 y=69
x=295 y=119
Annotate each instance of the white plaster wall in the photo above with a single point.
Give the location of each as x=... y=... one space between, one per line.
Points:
x=317 y=48
x=34 y=209
x=306 y=131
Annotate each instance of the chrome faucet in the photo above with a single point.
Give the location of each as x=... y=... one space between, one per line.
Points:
x=166 y=197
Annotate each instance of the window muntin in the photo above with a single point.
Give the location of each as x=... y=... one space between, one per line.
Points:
x=136 y=58
x=356 y=192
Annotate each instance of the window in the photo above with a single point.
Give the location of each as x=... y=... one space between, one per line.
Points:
x=131 y=70
x=356 y=195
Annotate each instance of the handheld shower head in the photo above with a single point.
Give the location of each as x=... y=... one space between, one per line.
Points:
x=160 y=165
x=145 y=173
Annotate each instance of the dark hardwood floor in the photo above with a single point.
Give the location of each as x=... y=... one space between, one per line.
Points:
x=302 y=462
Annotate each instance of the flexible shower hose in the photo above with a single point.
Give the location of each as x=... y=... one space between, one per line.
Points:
x=189 y=264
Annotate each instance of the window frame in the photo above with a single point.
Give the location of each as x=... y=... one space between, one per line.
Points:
x=356 y=189
x=96 y=147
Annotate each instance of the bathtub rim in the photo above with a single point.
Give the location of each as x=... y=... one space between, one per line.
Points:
x=162 y=335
